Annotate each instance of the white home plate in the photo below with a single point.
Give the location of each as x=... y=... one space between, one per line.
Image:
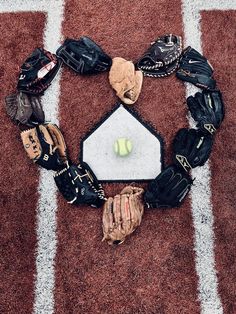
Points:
x=143 y=163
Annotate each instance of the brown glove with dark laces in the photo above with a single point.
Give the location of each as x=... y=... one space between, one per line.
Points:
x=122 y=214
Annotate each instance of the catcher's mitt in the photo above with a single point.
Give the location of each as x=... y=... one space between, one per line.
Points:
x=168 y=189
x=195 y=68
x=162 y=58
x=84 y=56
x=191 y=148
x=37 y=72
x=25 y=109
x=79 y=185
x=125 y=80
x=45 y=145
x=122 y=214
x=207 y=109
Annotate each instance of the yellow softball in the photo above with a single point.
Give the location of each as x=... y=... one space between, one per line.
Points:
x=123 y=146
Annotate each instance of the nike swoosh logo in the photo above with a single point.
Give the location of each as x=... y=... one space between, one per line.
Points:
x=193 y=61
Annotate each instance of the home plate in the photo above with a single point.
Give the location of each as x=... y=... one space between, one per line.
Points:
x=143 y=163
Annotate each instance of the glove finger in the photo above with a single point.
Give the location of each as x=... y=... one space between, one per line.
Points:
x=117 y=235
x=163 y=178
x=125 y=213
x=139 y=208
x=180 y=140
x=138 y=195
x=180 y=186
x=205 y=110
x=24 y=109
x=107 y=218
x=11 y=105
x=58 y=140
x=183 y=137
x=183 y=188
x=180 y=190
x=133 y=213
x=195 y=108
x=202 y=150
x=135 y=218
x=192 y=141
x=117 y=212
x=65 y=184
x=49 y=158
x=31 y=143
x=173 y=182
x=38 y=113
x=218 y=107
x=44 y=135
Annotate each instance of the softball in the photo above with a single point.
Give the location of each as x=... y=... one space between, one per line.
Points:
x=123 y=147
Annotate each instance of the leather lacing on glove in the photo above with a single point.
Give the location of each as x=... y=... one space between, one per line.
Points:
x=162 y=57
x=78 y=185
x=100 y=192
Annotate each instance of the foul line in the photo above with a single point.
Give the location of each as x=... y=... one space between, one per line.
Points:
x=201 y=192
x=47 y=204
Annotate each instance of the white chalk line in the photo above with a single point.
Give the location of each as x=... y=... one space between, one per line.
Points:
x=201 y=193
x=47 y=203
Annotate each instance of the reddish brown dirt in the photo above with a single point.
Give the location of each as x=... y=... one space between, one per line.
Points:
x=20 y=33
x=223 y=162
x=154 y=270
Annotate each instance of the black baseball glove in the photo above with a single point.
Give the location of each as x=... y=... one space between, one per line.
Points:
x=191 y=148
x=84 y=56
x=168 y=189
x=37 y=72
x=196 y=69
x=207 y=109
x=162 y=58
x=79 y=185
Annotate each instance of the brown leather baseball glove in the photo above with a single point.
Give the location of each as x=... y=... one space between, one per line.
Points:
x=125 y=80
x=122 y=214
x=45 y=145
x=25 y=109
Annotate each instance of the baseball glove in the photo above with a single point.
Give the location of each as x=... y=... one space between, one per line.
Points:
x=84 y=56
x=168 y=189
x=122 y=214
x=45 y=145
x=79 y=185
x=207 y=109
x=162 y=58
x=195 y=68
x=191 y=148
x=25 y=109
x=125 y=80
x=38 y=71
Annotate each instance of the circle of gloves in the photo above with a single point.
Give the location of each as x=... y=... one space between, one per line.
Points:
x=45 y=144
